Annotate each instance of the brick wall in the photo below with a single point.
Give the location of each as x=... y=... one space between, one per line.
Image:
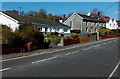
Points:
x=76 y=40
x=9 y=48
x=110 y=36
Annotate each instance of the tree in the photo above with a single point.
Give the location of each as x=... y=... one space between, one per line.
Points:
x=31 y=13
x=6 y=33
x=42 y=13
x=104 y=31
x=50 y=16
x=83 y=12
x=26 y=34
x=22 y=27
x=57 y=18
x=95 y=11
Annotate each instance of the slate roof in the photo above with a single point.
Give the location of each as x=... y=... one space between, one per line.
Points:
x=24 y=19
x=91 y=19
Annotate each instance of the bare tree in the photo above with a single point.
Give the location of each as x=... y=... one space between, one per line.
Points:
x=31 y=13
x=42 y=13
x=95 y=11
x=83 y=12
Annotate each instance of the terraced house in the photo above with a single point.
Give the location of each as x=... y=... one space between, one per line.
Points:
x=80 y=23
x=43 y=24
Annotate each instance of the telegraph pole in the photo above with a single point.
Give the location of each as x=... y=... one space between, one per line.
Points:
x=98 y=25
x=19 y=11
x=0 y=5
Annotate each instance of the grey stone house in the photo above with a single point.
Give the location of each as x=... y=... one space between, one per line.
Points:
x=79 y=23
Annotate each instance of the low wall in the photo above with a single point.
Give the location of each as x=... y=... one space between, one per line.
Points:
x=9 y=48
x=34 y=46
x=110 y=36
x=71 y=41
x=76 y=40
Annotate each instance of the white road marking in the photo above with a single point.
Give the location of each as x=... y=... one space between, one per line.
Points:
x=114 y=70
x=52 y=58
x=39 y=61
x=96 y=45
x=87 y=48
x=45 y=59
x=75 y=52
x=105 y=43
x=4 y=69
x=109 y=41
x=68 y=53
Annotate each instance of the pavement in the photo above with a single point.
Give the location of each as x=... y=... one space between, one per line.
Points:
x=14 y=55
x=92 y=59
x=55 y=47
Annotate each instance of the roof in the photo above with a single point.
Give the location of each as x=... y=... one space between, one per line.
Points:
x=105 y=18
x=92 y=19
x=23 y=19
x=118 y=22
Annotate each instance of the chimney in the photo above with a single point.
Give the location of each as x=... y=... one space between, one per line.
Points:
x=64 y=16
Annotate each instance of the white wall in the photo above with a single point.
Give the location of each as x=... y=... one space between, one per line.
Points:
x=112 y=24
x=10 y=22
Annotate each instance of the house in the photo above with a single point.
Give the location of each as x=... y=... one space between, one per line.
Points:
x=118 y=22
x=84 y=24
x=110 y=23
x=43 y=24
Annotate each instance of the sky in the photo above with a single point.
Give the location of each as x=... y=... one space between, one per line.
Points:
x=60 y=0
x=58 y=8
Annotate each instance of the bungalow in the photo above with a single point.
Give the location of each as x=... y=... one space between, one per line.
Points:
x=84 y=24
x=43 y=24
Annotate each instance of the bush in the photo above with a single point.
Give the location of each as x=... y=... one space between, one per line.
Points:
x=27 y=33
x=115 y=31
x=6 y=33
x=75 y=35
x=104 y=31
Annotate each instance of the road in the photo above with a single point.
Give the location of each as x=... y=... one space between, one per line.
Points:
x=95 y=60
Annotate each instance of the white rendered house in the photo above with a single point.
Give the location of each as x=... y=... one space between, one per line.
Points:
x=112 y=24
x=9 y=21
x=44 y=25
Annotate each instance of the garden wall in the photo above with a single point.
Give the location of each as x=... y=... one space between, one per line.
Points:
x=9 y=48
x=110 y=36
x=76 y=40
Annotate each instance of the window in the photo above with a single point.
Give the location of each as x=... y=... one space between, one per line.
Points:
x=110 y=24
x=70 y=23
x=65 y=30
x=46 y=29
x=86 y=23
x=87 y=30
